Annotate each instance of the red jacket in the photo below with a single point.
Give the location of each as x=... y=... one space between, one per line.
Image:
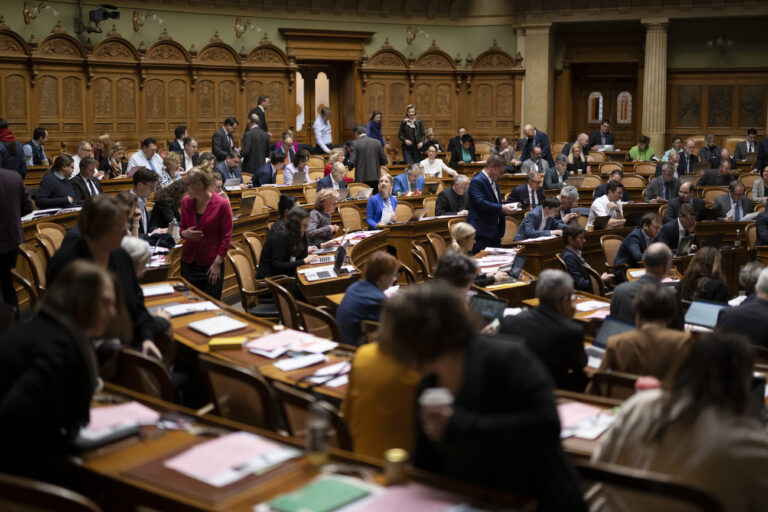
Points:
x=216 y=225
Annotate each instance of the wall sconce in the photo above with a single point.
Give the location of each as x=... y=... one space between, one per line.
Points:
x=411 y=32
x=244 y=25
x=721 y=43
x=32 y=11
x=141 y=17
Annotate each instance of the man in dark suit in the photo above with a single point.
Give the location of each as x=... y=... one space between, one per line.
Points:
x=637 y=241
x=189 y=155
x=534 y=137
x=230 y=167
x=746 y=146
x=550 y=333
x=335 y=179
x=749 y=319
x=255 y=145
x=14 y=204
x=260 y=109
x=761 y=224
x=486 y=211
x=267 y=173
x=687 y=158
x=178 y=143
x=222 y=141
x=455 y=142
x=453 y=200
x=722 y=156
x=616 y=175
x=531 y=193
x=602 y=137
x=583 y=140
x=735 y=204
x=540 y=221
x=762 y=156
x=575 y=237
x=664 y=187
x=673 y=231
x=720 y=177
x=84 y=185
x=457 y=153
x=367 y=157
x=684 y=196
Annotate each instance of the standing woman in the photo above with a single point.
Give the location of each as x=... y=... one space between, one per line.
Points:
x=11 y=152
x=55 y=190
x=206 y=226
x=373 y=128
x=577 y=164
x=320 y=228
x=411 y=134
x=381 y=206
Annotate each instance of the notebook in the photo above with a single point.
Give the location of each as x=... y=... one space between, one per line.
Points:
x=323 y=495
x=217 y=325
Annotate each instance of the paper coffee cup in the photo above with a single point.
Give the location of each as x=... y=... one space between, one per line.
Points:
x=436 y=398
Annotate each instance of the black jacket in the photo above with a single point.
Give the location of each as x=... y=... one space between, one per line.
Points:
x=577 y=271
x=673 y=207
x=670 y=235
x=747 y=319
x=276 y=255
x=595 y=139
x=254 y=150
x=262 y=118
x=449 y=202
x=53 y=193
x=162 y=214
x=80 y=187
x=457 y=155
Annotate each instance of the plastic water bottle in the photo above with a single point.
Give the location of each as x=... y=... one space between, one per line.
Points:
x=317 y=434
x=737 y=243
x=173 y=229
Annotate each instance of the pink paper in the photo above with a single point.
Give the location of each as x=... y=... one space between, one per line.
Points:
x=276 y=340
x=573 y=413
x=600 y=314
x=109 y=416
x=411 y=497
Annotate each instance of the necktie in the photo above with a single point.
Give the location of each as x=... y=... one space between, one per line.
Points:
x=91 y=187
x=737 y=212
x=666 y=192
x=151 y=166
x=229 y=139
x=533 y=198
x=749 y=148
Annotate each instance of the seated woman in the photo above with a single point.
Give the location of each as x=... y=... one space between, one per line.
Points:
x=298 y=166
x=381 y=206
x=114 y=165
x=172 y=163
x=577 y=164
x=759 y=187
x=48 y=370
x=463 y=153
x=362 y=300
x=284 y=205
x=320 y=229
x=55 y=190
x=642 y=152
x=430 y=140
x=704 y=278
x=700 y=431
x=462 y=241
x=433 y=167
x=501 y=428
x=167 y=204
x=286 y=247
x=336 y=155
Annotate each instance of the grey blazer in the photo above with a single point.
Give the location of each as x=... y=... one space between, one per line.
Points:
x=655 y=188
x=529 y=166
x=366 y=157
x=758 y=190
x=319 y=230
x=723 y=202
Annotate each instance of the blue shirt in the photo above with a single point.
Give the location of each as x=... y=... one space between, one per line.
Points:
x=362 y=301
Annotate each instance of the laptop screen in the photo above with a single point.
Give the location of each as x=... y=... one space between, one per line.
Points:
x=487 y=307
x=703 y=313
x=611 y=326
x=517 y=267
x=341 y=254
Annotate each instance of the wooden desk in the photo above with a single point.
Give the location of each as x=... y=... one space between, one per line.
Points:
x=515 y=292
x=507 y=182
x=112 y=187
x=235 y=196
x=582 y=449
x=639 y=207
x=65 y=220
x=401 y=235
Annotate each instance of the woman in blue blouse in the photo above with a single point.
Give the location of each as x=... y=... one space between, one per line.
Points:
x=381 y=206
x=373 y=128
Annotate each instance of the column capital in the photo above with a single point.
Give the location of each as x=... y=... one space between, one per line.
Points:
x=655 y=23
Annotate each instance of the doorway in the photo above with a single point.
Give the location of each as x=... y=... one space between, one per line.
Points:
x=325 y=84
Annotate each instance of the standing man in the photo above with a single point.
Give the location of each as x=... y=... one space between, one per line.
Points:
x=747 y=146
x=602 y=137
x=84 y=150
x=322 y=129
x=178 y=144
x=366 y=158
x=453 y=200
x=255 y=145
x=85 y=184
x=230 y=167
x=34 y=151
x=14 y=204
x=486 y=211
x=222 y=141
x=260 y=109
x=534 y=137
x=687 y=158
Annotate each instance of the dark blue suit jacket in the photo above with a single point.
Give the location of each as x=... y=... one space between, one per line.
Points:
x=682 y=168
x=224 y=170
x=632 y=248
x=362 y=301
x=327 y=182
x=670 y=235
x=540 y=139
x=53 y=193
x=747 y=319
x=263 y=176
x=761 y=223
x=595 y=139
x=520 y=194
x=175 y=146
x=485 y=212
x=576 y=270
x=529 y=228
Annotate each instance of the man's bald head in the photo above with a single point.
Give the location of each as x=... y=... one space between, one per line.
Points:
x=657 y=259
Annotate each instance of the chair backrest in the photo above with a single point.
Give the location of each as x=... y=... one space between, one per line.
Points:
x=597 y=156
x=751 y=236
x=17 y=493
x=419 y=255
x=591 y=181
x=453 y=222
x=316 y=161
x=482 y=147
x=295 y=407
x=354 y=188
x=429 y=204
x=174 y=260
x=240 y=394
x=143 y=374
x=710 y=193
x=286 y=305
x=557 y=147
x=255 y=245
x=244 y=275
x=403 y=211
x=607 y=167
x=633 y=181
x=370 y=330
x=438 y=244
x=598 y=288
x=350 y=218
x=47 y=245
x=698 y=142
x=647 y=169
x=662 y=211
x=271 y=195
x=730 y=143
x=748 y=180
x=259 y=203
x=318 y=321
x=408 y=275
x=316 y=174
x=36 y=265
x=310 y=193
x=510 y=229
x=44 y=227
x=247 y=177
x=612 y=384
x=758 y=207
x=610 y=245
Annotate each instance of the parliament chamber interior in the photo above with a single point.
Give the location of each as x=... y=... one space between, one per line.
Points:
x=343 y=255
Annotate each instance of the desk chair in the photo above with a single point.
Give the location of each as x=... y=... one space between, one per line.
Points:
x=370 y=330
x=421 y=258
x=351 y=218
x=510 y=230
x=246 y=176
x=54 y=231
x=597 y=156
x=612 y=384
x=429 y=204
x=36 y=268
x=250 y=288
x=310 y=193
x=453 y=222
x=318 y=321
x=316 y=161
x=143 y=374
x=28 y=494
x=354 y=188
x=285 y=303
x=748 y=179
x=633 y=181
x=408 y=275
x=438 y=244
x=48 y=245
x=610 y=245
x=751 y=232
x=259 y=203
x=647 y=169
x=271 y=195
x=591 y=181
x=710 y=193
x=403 y=211
x=254 y=244
x=607 y=167
x=598 y=288
x=557 y=147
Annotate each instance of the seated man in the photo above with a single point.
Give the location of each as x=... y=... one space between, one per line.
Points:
x=684 y=196
x=569 y=199
x=687 y=158
x=335 y=180
x=616 y=175
x=761 y=223
x=549 y=331
x=410 y=182
x=607 y=204
x=555 y=178
x=602 y=137
x=720 y=177
x=746 y=146
x=735 y=204
x=229 y=168
x=529 y=193
x=453 y=200
x=749 y=319
x=574 y=237
x=652 y=348
x=267 y=173
x=721 y=157
x=637 y=241
x=710 y=150
x=535 y=163
x=674 y=230
x=673 y=160
x=748 y=276
x=663 y=188
x=541 y=221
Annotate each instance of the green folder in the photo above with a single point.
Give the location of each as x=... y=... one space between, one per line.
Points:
x=323 y=495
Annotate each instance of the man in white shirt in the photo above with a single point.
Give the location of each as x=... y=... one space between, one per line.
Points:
x=608 y=204
x=322 y=129
x=149 y=158
x=84 y=150
x=34 y=149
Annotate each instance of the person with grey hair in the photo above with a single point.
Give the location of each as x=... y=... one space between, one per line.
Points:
x=139 y=252
x=536 y=162
x=556 y=178
x=409 y=182
x=549 y=331
x=84 y=150
x=335 y=179
x=456 y=269
x=748 y=279
x=663 y=188
x=530 y=193
x=748 y=319
x=453 y=200
x=569 y=198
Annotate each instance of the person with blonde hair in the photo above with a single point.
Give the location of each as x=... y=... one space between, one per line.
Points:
x=320 y=229
x=577 y=164
x=102 y=145
x=113 y=164
x=462 y=241
x=381 y=206
x=172 y=163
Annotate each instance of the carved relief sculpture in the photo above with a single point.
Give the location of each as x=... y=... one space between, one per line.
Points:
x=126 y=98
x=16 y=96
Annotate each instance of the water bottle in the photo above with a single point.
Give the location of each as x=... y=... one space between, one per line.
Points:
x=173 y=229
x=317 y=434
x=737 y=243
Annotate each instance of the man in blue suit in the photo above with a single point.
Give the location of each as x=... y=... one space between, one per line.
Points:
x=534 y=137
x=486 y=211
x=335 y=179
x=574 y=237
x=541 y=221
x=411 y=181
x=229 y=168
x=634 y=245
x=267 y=173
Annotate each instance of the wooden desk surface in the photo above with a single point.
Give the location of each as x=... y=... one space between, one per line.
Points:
x=574 y=446
x=579 y=297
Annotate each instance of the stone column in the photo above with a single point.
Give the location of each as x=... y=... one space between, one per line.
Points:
x=654 y=106
x=538 y=82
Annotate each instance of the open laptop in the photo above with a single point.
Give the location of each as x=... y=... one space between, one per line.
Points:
x=364 y=193
x=487 y=308
x=299 y=179
x=634 y=219
x=516 y=268
x=702 y=315
x=246 y=206
x=430 y=187
x=701 y=167
x=684 y=247
x=575 y=181
x=604 y=147
x=611 y=326
x=418 y=214
x=708 y=214
x=602 y=221
x=342 y=194
x=328 y=272
x=232 y=184
x=330 y=250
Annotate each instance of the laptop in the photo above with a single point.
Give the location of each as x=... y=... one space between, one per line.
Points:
x=701 y=167
x=430 y=187
x=702 y=315
x=684 y=247
x=633 y=219
x=708 y=214
x=601 y=222
x=516 y=268
x=330 y=250
x=604 y=147
x=575 y=181
x=246 y=206
x=364 y=193
x=342 y=194
x=232 y=184
x=751 y=157
x=299 y=179
x=328 y=272
x=418 y=214
x=487 y=308
x=714 y=240
x=611 y=326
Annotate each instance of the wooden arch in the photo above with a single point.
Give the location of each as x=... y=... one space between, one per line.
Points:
x=60 y=45
x=165 y=49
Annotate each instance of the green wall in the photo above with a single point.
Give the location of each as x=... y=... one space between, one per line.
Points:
x=687 y=46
